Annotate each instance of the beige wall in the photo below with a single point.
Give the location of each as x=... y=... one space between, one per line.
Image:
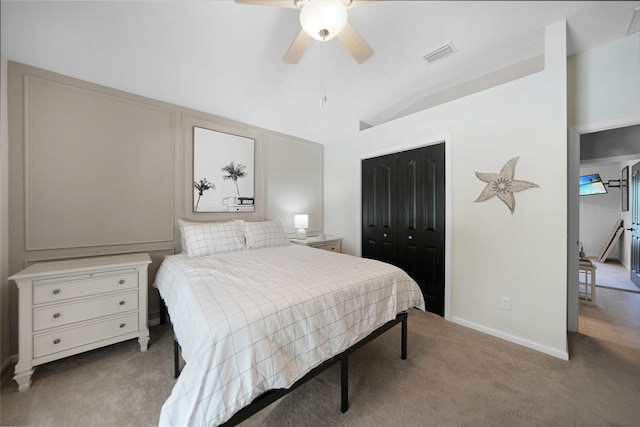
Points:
x=293 y=169
x=491 y=253
x=97 y=171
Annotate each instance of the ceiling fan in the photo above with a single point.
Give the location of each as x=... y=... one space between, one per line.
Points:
x=321 y=20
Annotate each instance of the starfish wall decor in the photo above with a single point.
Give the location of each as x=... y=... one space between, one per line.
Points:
x=502 y=185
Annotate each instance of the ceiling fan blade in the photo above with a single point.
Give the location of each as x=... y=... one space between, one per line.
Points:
x=277 y=3
x=355 y=44
x=297 y=48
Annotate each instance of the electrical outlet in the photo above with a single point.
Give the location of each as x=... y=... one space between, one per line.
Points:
x=505 y=303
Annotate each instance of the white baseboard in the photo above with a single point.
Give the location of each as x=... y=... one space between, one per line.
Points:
x=564 y=355
x=154 y=319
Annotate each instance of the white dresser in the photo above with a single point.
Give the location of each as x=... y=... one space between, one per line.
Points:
x=68 y=307
x=329 y=243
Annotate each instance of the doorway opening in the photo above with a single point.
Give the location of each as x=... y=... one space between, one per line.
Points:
x=598 y=149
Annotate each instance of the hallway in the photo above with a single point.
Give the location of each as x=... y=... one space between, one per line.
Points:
x=612 y=274
x=616 y=317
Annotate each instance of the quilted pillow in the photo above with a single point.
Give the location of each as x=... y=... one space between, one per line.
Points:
x=265 y=234
x=182 y=223
x=204 y=238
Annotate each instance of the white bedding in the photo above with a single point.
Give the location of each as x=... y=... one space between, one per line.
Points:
x=255 y=320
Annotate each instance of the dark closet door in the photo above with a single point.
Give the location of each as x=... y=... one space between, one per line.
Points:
x=380 y=209
x=421 y=221
x=403 y=220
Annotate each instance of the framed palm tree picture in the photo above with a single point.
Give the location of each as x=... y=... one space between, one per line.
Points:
x=223 y=172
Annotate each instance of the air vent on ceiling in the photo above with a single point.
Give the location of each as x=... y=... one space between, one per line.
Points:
x=439 y=53
x=634 y=25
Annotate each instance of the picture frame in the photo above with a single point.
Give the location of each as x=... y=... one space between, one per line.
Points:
x=223 y=172
x=624 y=188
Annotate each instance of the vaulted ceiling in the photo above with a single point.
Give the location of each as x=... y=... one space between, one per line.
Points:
x=225 y=58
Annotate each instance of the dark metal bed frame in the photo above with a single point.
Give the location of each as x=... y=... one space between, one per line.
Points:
x=271 y=396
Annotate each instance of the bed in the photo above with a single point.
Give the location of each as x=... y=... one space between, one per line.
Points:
x=255 y=314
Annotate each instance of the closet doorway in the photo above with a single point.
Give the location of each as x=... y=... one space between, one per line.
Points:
x=403 y=216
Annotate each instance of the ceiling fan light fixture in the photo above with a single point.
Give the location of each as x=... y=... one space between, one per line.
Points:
x=323 y=19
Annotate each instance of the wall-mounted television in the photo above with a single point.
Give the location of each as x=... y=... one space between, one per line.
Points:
x=592 y=184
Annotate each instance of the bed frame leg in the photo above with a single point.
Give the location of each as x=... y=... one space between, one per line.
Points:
x=176 y=358
x=404 y=336
x=344 y=382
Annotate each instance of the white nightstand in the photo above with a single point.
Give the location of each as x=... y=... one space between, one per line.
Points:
x=68 y=307
x=329 y=243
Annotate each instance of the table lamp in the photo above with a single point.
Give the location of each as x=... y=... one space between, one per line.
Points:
x=301 y=222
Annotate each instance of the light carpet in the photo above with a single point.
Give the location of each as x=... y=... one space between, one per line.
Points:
x=612 y=274
x=454 y=376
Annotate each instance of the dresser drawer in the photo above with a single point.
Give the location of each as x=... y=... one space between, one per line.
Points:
x=63 y=314
x=60 y=289
x=53 y=342
x=334 y=247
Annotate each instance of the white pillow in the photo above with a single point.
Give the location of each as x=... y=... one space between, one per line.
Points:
x=182 y=223
x=240 y=223
x=211 y=238
x=265 y=234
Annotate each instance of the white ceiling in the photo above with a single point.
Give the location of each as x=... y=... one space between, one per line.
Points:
x=224 y=58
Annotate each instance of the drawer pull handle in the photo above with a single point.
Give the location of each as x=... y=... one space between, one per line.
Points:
x=56 y=341
x=56 y=291
x=56 y=315
x=121 y=281
x=385 y=235
x=410 y=237
x=121 y=302
x=122 y=325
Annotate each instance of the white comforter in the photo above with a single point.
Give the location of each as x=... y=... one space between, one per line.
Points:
x=255 y=320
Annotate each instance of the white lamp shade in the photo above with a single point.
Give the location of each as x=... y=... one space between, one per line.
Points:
x=301 y=221
x=319 y=15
